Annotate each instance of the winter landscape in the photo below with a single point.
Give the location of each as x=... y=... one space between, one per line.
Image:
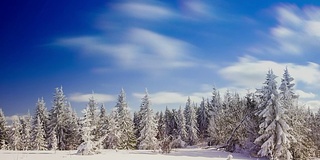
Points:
x=154 y=79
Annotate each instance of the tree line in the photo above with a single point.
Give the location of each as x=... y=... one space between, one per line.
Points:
x=267 y=123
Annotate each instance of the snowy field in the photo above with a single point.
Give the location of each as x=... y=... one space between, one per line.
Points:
x=184 y=154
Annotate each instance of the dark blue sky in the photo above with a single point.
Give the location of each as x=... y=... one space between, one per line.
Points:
x=175 y=49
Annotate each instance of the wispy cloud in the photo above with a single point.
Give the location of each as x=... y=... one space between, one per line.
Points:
x=250 y=72
x=296 y=32
x=147 y=11
x=101 y=98
x=141 y=49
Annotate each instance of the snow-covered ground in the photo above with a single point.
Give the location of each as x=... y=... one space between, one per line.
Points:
x=184 y=154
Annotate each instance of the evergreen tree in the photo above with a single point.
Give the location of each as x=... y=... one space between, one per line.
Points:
x=41 y=113
x=203 y=118
x=148 y=132
x=73 y=133
x=215 y=111
x=274 y=135
x=59 y=118
x=53 y=142
x=127 y=138
x=113 y=138
x=15 y=136
x=191 y=123
x=38 y=139
x=3 y=131
x=169 y=127
x=102 y=126
x=181 y=124
x=161 y=127
x=25 y=123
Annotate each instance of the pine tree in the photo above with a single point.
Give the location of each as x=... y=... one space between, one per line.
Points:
x=53 y=142
x=102 y=127
x=148 y=132
x=38 y=139
x=25 y=122
x=168 y=123
x=274 y=134
x=203 y=119
x=73 y=133
x=161 y=127
x=181 y=124
x=191 y=123
x=215 y=111
x=15 y=136
x=59 y=117
x=127 y=138
x=113 y=138
x=3 y=131
x=41 y=113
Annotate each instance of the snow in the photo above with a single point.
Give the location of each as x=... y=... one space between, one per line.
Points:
x=185 y=154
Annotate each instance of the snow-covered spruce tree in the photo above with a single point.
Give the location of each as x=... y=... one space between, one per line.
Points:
x=315 y=119
x=203 y=119
x=214 y=110
x=161 y=127
x=300 y=149
x=148 y=125
x=191 y=123
x=3 y=131
x=113 y=138
x=73 y=133
x=87 y=146
x=38 y=136
x=92 y=114
x=53 y=141
x=41 y=113
x=25 y=122
x=102 y=127
x=125 y=122
x=59 y=117
x=181 y=124
x=168 y=123
x=136 y=124
x=274 y=137
x=15 y=135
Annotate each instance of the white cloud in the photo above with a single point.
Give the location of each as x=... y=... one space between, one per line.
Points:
x=249 y=72
x=314 y=105
x=305 y=95
x=140 y=49
x=297 y=31
x=145 y=11
x=101 y=98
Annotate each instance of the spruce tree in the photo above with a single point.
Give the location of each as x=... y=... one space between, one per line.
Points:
x=113 y=138
x=148 y=126
x=38 y=136
x=3 y=131
x=125 y=122
x=59 y=117
x=191 y=123
x=274 y=137
x=102 y=127
x=15 y=136
x=203 y=119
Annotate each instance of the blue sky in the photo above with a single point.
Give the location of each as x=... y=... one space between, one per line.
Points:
x=175 y=49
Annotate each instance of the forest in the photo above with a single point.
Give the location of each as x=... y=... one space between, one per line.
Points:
x=265 y=123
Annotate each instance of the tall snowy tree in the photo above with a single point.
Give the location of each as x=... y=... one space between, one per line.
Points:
x=148 y=132
x=181 y=124
x=161 y=127
x=214 y=110
x=59 y=118
x=125 y=122
x=15 y=136
x=3 y=131
x=53 y=141
x=38 y=136
x=113 y=138
x=25 y=122
x=92 y=114
x=191 y=123
x=41 y=113
x=274 y=137
x=102 y=126
x=73 y=136
x=203 y=119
